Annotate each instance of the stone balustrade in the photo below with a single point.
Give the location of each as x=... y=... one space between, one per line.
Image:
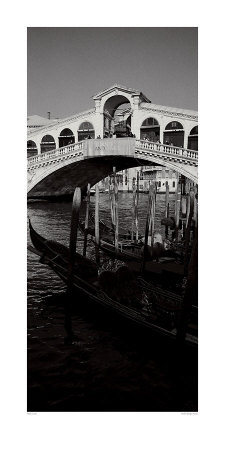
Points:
x=55 y=153
x=158 y=148
x=183 y=160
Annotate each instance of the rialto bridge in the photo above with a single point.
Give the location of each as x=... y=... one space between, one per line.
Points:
x=78 y=150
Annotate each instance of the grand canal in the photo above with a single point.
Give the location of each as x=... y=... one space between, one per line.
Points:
x=101 y=370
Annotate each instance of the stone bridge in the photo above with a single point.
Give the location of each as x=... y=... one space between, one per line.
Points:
x=92 y=160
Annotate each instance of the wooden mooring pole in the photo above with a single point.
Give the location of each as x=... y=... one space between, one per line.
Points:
x=74 y=222
x=195 y=213
x=86 y=219
x=136 y=207
x=147 y=226
x=190 y=211
x=177 y=211
x=97 y=255
x=76 y=203
x=133 y=210
x=167 y=208
x=112 y=201
x=116 y=211
x=153 y=205
x=191 y=292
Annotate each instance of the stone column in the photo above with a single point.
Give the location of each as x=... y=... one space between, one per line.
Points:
x=186 y=138
x=39 y=147
x=161 y=134
x=162 y=129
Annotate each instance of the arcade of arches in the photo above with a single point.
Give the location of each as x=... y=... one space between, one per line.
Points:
x=118 y=111
x=118 y=122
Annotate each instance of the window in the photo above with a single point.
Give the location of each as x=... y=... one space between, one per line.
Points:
x=150 y=122
x=174 y=126
x=174 y=184
x=86 y=126
x=86 y=130
x=194 y=131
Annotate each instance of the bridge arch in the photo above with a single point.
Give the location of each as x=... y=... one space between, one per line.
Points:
x=150 y=129
x=66 y=137
x=85 y=131
x=47 y=143
x=193 y=138
x=174 y=134
x=92 y=160
x=31 y=148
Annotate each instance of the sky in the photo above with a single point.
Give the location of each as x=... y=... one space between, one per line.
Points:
x=67 y=66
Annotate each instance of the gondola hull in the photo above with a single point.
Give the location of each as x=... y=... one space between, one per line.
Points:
x=91 y=296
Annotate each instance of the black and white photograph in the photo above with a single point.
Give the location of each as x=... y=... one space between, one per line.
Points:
x=112 y=315
x=112 y=191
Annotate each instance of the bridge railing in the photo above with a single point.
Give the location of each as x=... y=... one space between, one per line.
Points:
x=78 y=146
x=167 y=149
x=153 y=147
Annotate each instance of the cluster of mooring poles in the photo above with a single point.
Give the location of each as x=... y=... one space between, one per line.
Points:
x=185 y=220
x=183 y=225
x=113 y=198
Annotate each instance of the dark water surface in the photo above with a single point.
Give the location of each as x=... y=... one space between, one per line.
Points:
x=103 y=369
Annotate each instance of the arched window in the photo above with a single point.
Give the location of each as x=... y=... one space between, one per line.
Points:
x=31 y=149
x=150 y=129
x=150 y=122
x=174 y=134
x=194 y=131
x=193 y=139
x=86 y=131
x=174 y=126
x=66 y=137
x=47 y=143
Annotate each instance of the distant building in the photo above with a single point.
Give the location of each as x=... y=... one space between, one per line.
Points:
x=127 y=178
x=36 y=121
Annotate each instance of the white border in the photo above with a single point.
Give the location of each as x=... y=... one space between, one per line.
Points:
x=111 y=430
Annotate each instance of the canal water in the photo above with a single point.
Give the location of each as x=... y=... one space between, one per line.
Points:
x=102 y=369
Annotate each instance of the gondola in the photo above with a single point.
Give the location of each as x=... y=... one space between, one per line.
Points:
x=107 y=233
x=132 y=250
x=119 y=295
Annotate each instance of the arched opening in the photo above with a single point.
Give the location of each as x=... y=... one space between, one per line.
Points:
x=47 y=143
x=66 y=137
x=150 y=129
x=193 y=139
x=117 y=117
x=31 y=149
x=174 y=134
x=86 y=131
x=122 y=121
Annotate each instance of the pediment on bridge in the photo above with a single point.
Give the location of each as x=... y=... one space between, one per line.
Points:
x=117 y=89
